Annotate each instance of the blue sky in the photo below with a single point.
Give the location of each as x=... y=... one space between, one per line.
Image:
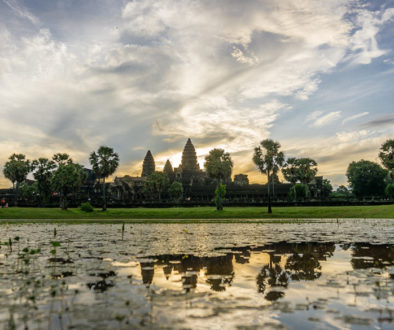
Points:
x=317 y=76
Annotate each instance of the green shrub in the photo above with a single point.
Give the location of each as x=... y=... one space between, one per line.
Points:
x=86 y=207
x=389 y=190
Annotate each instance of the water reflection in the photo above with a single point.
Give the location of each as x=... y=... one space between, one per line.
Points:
x=369 y=255
x=114 y=283
x=281 y=263
x=278 y=265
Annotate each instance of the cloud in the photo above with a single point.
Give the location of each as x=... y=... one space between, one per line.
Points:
x=322 y=120
x=364 y=44
x=387 y=120
x=21 y=11
x=148 y=74
x=356 y=116
x=334 y=153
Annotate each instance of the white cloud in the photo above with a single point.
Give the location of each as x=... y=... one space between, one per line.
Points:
x=314 y=115
x=364 y=44
x=356 y=116
x=21 y=11
x=334 y=153
x=327 y=119
x=214 y=70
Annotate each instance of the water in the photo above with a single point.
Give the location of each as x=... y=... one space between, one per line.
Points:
x=331 y=274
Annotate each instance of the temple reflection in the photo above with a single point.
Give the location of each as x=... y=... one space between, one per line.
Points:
x=277 y=266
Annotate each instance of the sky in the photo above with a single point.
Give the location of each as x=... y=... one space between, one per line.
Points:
x=316 y=76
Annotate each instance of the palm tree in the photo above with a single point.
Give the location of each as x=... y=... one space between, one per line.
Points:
x=219 y=165
x=43 y=169
x=268 y=159
x=386 y=155
x=16 y=170
x=104 y=163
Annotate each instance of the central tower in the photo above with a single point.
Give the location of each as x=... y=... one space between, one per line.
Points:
x=148 y=166
x=189 y=158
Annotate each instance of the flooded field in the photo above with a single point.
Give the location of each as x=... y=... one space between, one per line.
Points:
x=331 y=274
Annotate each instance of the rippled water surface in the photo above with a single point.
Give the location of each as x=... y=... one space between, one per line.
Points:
x=331 y=274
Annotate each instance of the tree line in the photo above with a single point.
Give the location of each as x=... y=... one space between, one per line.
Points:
x=60 y=175
x=63 y=177
x=365 y=178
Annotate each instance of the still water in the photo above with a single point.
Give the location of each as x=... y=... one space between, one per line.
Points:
x=318 y=275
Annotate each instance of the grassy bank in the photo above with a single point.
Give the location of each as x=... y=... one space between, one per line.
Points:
x=16 y=214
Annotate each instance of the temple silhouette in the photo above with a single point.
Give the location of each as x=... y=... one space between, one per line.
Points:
x=287 y=262
x=198 y=188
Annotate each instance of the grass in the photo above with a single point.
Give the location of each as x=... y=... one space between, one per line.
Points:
x=195 y=214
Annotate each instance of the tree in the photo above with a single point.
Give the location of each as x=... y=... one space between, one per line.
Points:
x=241 y=179
x=42 y=172
x=299 y=170
x=366 y=178
x=387 y=156
x=67 y=178
x=389 y=190
x=268 y=159
x=306 y=170
x=220 y=193
x=157 y=183
x=28 y=191
x=326 y=188
x=343 y=190
x=218 y=165
x=16 y=170
x=299 y=192
x=176 y=191
x=104 y=163
x=290 y=170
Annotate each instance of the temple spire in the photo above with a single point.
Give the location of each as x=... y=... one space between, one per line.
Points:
x=189 y=157
x=169 y=170
x=148 y=166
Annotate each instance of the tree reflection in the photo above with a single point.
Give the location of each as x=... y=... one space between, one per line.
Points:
x=302 y=263
x=286 y=262
x=368 y=255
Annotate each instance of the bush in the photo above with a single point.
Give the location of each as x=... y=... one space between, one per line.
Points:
x=86 y=207
x=389 y=190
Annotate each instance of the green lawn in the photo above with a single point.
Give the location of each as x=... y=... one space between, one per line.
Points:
x=195 y=214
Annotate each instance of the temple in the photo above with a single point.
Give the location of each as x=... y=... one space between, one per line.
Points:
x=189 y=170
x=148 y=166
x=189 y=158
x=198 y=188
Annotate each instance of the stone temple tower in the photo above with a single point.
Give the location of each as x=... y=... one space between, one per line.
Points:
x=169 y=170
x=148 y=166
x=189 y=158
